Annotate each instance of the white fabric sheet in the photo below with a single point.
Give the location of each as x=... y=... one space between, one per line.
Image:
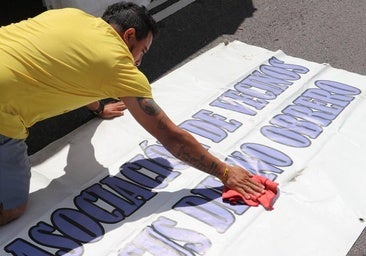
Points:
x=109 y=188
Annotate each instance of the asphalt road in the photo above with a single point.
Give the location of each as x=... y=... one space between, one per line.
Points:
x=325 y=31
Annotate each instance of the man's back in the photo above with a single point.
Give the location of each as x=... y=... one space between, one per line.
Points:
x=56 y=62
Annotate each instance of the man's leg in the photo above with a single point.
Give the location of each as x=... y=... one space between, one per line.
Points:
x=14 y=178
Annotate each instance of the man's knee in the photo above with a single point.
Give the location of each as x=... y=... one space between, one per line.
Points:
x=8 y=215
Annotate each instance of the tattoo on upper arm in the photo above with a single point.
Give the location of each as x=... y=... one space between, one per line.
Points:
x=149 y=106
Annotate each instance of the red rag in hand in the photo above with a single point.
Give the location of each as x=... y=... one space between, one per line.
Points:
x=266 y=199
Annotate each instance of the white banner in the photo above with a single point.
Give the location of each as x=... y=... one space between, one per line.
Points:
x=109 y=188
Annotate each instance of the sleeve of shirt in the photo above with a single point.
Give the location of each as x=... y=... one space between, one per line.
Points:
x=128 y=81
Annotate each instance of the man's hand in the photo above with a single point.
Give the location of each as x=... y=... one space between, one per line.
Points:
x=240 y=180
x=113 y=109
x=109 y=110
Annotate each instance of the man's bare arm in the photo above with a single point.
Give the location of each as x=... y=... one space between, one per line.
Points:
x=180 y=143
x=185 y=147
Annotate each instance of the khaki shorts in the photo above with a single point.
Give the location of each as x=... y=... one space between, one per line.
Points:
x=14 y=172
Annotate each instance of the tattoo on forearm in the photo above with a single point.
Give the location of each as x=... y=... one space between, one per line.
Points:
x=149 y=106
x=197 y=161
x=182 y=152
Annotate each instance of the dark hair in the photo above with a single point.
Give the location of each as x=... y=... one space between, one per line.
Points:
x=129 y=15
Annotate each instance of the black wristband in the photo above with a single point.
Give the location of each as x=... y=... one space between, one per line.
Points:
x=99 y=110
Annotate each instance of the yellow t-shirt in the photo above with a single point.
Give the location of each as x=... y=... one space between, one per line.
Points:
x=58 y=61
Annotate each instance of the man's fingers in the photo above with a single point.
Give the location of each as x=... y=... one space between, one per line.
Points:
x=114 y=114
x=249 y=192
x=244 y=182
x=121 y=106
x=118 y=113
x=252 y=187
x=244 y=193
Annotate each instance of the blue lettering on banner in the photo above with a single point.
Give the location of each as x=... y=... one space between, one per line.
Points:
x=76 y=228
x=260 y=159
x=164 y=238
x=145 y=172
x=210 y=126
x=22 y=247
x=114 y=198
x=88 y=200
x=157 y=151
x=125 y=199
x=211 y=188
x=314 y=109
x=256 y=90
x=71 y=228
x=206 y=211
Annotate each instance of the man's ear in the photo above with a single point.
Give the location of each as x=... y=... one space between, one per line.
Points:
x=129 y=34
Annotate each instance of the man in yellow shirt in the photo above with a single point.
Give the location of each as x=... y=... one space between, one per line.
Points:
x=63 y=59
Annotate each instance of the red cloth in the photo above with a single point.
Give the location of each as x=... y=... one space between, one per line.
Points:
x=266 y=199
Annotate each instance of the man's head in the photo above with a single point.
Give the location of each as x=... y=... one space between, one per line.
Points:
x=135 y=26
